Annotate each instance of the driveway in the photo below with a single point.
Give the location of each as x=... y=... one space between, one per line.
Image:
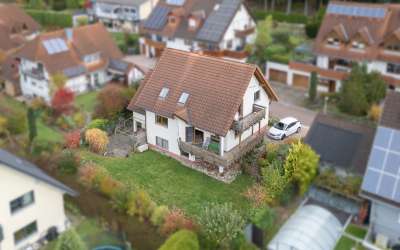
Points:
x=142 y=61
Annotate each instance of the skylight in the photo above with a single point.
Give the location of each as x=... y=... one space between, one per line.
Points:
x=164 y=92
x=176 y=2
x=55 y=45
x=183 y=98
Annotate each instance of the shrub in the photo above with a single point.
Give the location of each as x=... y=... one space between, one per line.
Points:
x=99 y=123
x=72 y=139
x=112 y=100
x=62 y=101
x=108 y=186
x=140 y=204
x=97 y=140
x=120 y=200
x=68 y=162
x=70 y=240
x=263 y=218
x=375 y=112
x=91 y=174
x=220 y=223
x=79 y=119
x=17 y=123
x=181 y=240
x=176 y=220
x=159 y=214
x=3 y=125
x=256 y=194
x=312 y=90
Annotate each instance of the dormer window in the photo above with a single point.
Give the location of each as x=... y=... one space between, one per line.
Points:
x=358 y=45
x=183 y=98
x=333 y=41
x=394 y=47
x=172 y=19
x=192 y=23
x=164 y=93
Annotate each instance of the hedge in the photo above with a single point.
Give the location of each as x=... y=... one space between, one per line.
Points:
x=280 y=16
x=51 y=18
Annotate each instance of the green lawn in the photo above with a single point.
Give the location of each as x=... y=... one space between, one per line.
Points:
x=86 y=102
x=170 y=183
x=346 y=243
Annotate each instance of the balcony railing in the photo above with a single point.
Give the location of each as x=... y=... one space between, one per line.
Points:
x=246 y=122
x=155 y=44
x=226 y=53
x=229 y=157
x=245 y=32
x=35 y=73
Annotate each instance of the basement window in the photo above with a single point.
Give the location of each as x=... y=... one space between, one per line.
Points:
x=183 y=98
x=164 y=93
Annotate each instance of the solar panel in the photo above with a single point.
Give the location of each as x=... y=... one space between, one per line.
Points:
x=176 y=2
x=157 y=18
x=218 y=21
x=55 y=45
x=361 y=11
x=74 y=71
x=382 y=177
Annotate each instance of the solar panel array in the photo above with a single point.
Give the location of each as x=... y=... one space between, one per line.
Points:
x=216 y=24
x=382 y=177
x=55 y=45
x=356 y=11
x=74 y=71
x=176 y=2
x=157 y=18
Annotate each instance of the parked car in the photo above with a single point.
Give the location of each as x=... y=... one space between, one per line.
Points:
x=284 y=128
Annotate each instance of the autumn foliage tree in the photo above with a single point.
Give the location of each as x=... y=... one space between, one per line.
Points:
x=112 y=100
x=97 y=140
x=62 y=101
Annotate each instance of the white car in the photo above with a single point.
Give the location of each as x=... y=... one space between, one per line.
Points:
x=284 y=128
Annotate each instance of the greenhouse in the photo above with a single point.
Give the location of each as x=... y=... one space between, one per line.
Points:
x=311 y=227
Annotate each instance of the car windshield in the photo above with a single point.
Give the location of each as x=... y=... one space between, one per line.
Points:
x=279 y=125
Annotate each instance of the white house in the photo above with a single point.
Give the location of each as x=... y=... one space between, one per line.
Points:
x=31 y=204
x=350 y=33
x=87 y=56
x=203 y=109
x=121 y=15
x=219 y=27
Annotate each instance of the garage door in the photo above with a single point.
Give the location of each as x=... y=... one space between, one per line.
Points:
x=300 y=81
x=278 y=76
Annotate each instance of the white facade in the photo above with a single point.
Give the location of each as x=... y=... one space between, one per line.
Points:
x=119 y=16
x=385 y=220
x=176 y=128
x=47 y=209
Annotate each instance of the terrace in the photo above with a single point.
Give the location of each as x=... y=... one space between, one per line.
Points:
x=246 y=122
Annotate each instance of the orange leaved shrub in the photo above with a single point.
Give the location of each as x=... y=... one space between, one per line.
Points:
x=97 y=140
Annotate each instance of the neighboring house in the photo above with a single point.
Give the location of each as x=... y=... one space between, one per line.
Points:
x=350 y=33
x=216 y=27
x=340 y=143
x=87 y=56
x=121 y=15
x=31 y=204
x=16 y=28
x=9 y=74
x=202 y=109
x=381 y=184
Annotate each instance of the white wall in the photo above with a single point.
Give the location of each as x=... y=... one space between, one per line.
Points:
x=322 y=61
x=47 y=209
x=385 y=220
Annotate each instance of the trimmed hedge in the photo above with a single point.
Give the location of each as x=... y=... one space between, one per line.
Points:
x=51 y=18
x=280 y=16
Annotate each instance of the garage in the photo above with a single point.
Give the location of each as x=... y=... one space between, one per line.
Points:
x=278 y=76
x=300 y=81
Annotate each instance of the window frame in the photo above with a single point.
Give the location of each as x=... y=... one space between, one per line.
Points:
x=24 y=230
x=161 y=120
x=394 y=68
x=257 y=95
x=162 y=143
x=22 y=203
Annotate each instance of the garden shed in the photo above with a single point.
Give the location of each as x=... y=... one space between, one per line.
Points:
x=311 y=227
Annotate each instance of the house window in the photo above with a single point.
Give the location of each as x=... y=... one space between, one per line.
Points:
x=188 y=42
x=161 y=120
x=25 y=232
x=393 y=68
x=333 y=41
x=183 y=98
x=161 y=142
x=164 y=92
x=394 y=47
x=358 y=45
x=257 y=95
x=22 y=201
x=229 y=44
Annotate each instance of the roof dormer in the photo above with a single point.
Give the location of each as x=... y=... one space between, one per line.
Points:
x=337 y=36
x=195 y=19
x=392 y=42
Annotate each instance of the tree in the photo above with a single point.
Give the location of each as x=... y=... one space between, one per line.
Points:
x=62 y=101
x=301 y=165
x=220 y=223
x=73 y=4
x=375 y=87
x=312 y=89
x=70 y=240
x=3 y=125
x=181 y=240
x=32 y=129
x=264 y=29
x=58 y=81
x=274 y=181
x=36 y=4
x=112 y=100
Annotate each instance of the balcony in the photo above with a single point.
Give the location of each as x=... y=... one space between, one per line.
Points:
x=245 y=32
x=155 y=44
x=228 y=157
x=36 y=73
x=246 y=122
x=236 y=54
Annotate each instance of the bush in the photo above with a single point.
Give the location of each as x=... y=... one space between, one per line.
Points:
x=159 y=214
x=79 y=119
x=176 y=220
x=140 y=204
x=17 y=123
x=112 y=100
x=91 y=174
x=51 y=18
x=375 y=112
x=220 y=224
x=181 y=240
x=97 y=140
x=99 y=123
x=68 y=162
x=108 y=186
x=72 y=139
x=120 y=200
x=70 y=240
x=263 y=218
x=256 y=194
x=3 y=125
x=62 y=101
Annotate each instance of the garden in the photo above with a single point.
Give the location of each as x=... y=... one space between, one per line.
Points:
x=347 y=243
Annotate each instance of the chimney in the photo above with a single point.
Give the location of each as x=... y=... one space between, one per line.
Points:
x=69 y=34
